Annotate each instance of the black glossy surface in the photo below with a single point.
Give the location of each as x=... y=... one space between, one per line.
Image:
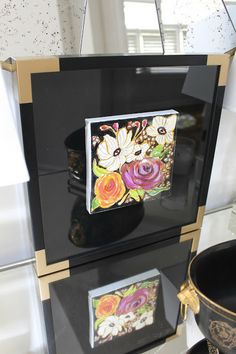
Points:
x=218 y=327
x=214 y=271
x=68 y=317
x=70 y=230
x=84 y=62
x=199 y=348
x=61 y=102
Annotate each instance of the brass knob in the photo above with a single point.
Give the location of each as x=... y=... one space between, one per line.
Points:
x=188 y=297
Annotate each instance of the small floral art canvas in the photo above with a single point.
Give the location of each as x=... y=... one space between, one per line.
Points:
x=123 y=307
x=129 y=158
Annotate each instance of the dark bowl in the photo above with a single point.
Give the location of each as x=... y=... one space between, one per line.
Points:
x=211 y=293
x=203 y=347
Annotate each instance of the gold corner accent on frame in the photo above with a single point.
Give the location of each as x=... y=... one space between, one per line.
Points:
x=178 y=333
x=223 y=61
x=197 y=224
x=8 y=65
x=194 y=236
x=231 y=52
x=27 y=66
x=42 y=268
x=46 y=280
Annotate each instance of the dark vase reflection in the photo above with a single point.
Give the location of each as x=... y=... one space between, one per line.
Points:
x=96 y=230
x=75 y=146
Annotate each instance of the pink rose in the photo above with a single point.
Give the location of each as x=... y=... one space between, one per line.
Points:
x=132 y=302
x=145 y=174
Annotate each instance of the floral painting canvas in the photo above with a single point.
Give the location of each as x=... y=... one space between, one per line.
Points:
x=123 y=307
x=129 y=158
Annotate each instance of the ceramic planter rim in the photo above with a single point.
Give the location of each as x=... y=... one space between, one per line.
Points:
x=198 y=292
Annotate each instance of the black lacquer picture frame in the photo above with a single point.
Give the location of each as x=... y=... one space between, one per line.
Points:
x=56 y=94
x=65 y=298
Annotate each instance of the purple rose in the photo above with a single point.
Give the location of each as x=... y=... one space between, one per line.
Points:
x=133 y=302
x=145 y=174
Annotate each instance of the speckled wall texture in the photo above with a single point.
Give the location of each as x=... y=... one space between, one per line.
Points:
x=40 y=27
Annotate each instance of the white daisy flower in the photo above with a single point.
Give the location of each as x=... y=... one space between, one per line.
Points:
x=128 y=317
x=114 y=152
x=146 y=319
x=162 y=128
x=139 y=152
x=112 y=325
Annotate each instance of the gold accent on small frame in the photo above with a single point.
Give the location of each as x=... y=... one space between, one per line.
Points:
x=178 y=333
x=197 y=224
x=8 y=65
x=46 y=280
x=42 y=268
x=195 y=236
x=223 y=61
x=27 y=66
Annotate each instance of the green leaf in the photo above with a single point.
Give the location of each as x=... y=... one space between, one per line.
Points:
x=141 y=193
x=146 y=284
x=144 y=309
x=95 y=303
x=165 y=152
x=95 y=204
x=156 y=152
x=98 y=322
x=156 y=191
x=97 y=170
x=134 y=194
x=130 y=291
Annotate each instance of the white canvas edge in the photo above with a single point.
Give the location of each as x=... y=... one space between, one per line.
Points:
x=88 y=164
x=131 y=116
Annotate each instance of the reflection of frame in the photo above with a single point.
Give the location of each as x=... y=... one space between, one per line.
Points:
x=129 y=158
x=68 y=296
x=123 y=307
x=55 y=96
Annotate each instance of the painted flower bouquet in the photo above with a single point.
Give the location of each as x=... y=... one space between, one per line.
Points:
x=130 y=158
x=124 y=309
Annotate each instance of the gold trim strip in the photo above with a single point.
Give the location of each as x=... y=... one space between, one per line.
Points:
x=179 y=331
x=46 y=280
x=218 y=312
x=195 y=236
x=197 y=224
x=223 y=60
x=27 y=66
x=41 y=264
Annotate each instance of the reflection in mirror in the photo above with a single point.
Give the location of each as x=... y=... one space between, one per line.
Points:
x=155 y=26
x=206 y=24
x=98 y=229
x=121 y=26
x=230 y=6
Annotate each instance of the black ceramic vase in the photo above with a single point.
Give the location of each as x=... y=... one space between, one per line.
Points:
x=203 y=347
x=210 y=291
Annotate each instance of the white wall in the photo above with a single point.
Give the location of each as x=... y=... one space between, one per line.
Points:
x=33 y=27
x=222 y=190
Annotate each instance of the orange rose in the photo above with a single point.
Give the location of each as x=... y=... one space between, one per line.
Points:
x=107 y=305
x=109 y=189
